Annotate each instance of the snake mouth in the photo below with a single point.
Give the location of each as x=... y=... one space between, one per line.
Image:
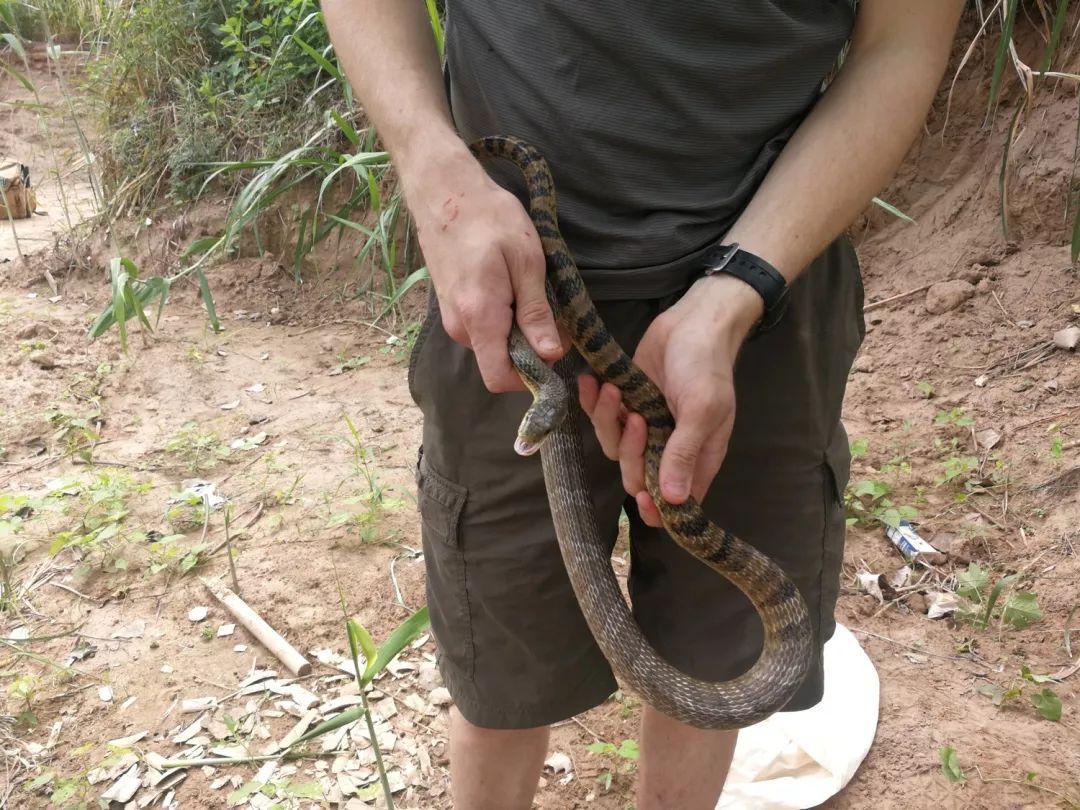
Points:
x=526 y=448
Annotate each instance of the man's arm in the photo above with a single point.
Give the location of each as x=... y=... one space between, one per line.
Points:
x=855 y=138
x=484 y=256
x=842 y=154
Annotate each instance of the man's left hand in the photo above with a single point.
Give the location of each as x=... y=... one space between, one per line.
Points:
x=689 y=351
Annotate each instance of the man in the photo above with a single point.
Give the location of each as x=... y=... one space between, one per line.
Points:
x=670 y=129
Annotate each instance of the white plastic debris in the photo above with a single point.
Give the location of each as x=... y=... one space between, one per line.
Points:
x=797 y=760
x=1067 y=338
x=197 y=614
x=226 y=630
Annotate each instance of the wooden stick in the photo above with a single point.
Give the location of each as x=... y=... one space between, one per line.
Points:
x=908 y=294
x=285 y=652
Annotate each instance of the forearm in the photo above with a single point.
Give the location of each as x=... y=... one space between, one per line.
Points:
x=388 y=52
x=852 y=142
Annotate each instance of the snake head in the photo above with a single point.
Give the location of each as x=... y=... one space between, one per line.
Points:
x=546 y=414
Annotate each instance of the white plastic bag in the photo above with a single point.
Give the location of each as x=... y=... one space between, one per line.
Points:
x=797 y=760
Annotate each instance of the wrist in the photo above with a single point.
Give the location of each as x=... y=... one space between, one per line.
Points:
x=428 y=156
x=734 y=306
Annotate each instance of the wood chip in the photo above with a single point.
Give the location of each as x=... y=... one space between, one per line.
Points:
x=416 y=703
x=256 y=676
x=296 y=731
x=127 y=742
x=385 y=708
x=193 y=705
x=125 y=787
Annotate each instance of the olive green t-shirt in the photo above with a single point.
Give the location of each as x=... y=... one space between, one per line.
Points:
x=658 y=119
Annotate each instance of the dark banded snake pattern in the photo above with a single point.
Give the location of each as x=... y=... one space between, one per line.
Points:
x=552 y=424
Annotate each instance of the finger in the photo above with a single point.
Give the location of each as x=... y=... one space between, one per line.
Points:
x=679 y=461
x=606 y=420
x=588 y=392
x=650 y=515
x=632 y=454
x=489 y=331
x=533 y=313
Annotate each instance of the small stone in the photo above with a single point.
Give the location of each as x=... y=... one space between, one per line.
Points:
x=981 y=381
x=43 y=359
x=226 y=630
x=984 y=286
x=974 y=274
x=105 y=693
x=1020 y=386
x=948 y=295
x=1025 y=324
x=1067 y=338
x=917 y=602
x=863 y=364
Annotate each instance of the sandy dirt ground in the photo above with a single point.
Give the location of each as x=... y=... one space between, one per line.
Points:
x=298 y=414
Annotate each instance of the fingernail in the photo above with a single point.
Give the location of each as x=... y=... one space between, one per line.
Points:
x=548 y=344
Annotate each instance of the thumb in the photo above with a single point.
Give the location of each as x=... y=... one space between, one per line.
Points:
x=531 y=308
x=680 y=457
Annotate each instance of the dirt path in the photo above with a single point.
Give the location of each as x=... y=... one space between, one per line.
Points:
x=309 y=433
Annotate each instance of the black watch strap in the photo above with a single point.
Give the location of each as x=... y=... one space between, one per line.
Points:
x=755 y=271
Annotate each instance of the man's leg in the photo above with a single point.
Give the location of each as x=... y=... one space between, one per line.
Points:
x=514 y=649
x=494 y=769
x=681 y=766
x=780 y=489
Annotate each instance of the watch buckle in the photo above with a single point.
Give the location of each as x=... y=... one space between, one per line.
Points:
x=728 y=253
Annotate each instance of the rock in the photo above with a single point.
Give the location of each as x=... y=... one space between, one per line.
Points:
x=863 y=364
x=958 y=547
x=984 y=285
x=917 y=602
x=948 y=295
x=974 y=274
x=43 y=359
x=30 y=330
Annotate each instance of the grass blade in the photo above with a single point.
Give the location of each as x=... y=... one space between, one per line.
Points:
x=420 y=274
x=436 y=25
x=321 y=60
x=1002 y=56
x=207 y=299
x=1055 y=34
x=1003 y=176
x=892 y=209
x=404 y=633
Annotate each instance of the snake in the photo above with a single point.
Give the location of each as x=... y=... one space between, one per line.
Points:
x=551 y=425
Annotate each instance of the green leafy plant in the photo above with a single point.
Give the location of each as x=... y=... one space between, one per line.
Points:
x=624 y=759
x=24 y=689
x=867 y=502
x=197 y=448
x=980 y=603
x=1045 y=701
x=102 y=509
x=950 y=765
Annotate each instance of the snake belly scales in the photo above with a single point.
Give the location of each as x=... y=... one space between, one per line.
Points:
x=786 y=653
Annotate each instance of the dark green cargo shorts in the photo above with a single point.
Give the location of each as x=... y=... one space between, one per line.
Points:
x=515 y=651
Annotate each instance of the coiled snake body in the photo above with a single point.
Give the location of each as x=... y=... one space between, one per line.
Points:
x=552 y=426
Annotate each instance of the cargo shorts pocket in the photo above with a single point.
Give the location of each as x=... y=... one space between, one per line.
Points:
x=441 y=503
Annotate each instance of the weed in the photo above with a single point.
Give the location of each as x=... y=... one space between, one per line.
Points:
x=925 y=389
x=623 y=758
x=1045 y=701
x=24 y=689
x=957 y=467
x=197 y=449
x=979 y=602
x=950 y=765
x=867 y=502
x=75 y=435
x=99 y=532
x=956 y=417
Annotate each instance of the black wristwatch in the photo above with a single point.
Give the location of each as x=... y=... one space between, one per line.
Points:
x=758 y=273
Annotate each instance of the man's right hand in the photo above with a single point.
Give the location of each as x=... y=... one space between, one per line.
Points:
x=485 y=260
